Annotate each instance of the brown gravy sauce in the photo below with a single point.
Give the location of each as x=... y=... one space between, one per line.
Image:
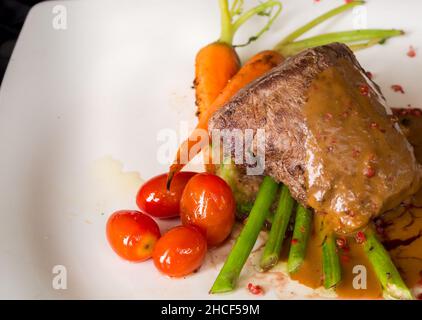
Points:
x=311 y=275
x=400 y=230
x=358 y=163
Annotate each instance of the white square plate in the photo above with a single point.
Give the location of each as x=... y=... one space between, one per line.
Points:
x=81 y=110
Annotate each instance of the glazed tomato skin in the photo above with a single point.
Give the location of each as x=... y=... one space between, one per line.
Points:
x=154 y=199
x=132 y=235
x=208 y=203
x=180 y=251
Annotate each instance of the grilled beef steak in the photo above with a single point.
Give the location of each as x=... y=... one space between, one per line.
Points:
x=328 y=136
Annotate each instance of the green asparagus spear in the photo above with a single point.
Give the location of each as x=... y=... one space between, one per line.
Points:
x=227 y=278
x=301 y=233
x=330 y=262
x=384 y=268
x=278 y=229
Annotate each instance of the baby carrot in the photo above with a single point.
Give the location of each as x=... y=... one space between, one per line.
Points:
x=198 y=140
x=218 y=62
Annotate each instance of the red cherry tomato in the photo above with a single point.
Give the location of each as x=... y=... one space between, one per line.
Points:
x=132 y=235
x=208 y=203
x=154 y=199
x=180 y=251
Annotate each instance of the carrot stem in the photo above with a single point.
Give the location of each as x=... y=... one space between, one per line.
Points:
x=261 y=9
x=227 y=33
x=229 y=28
x=236 y=8
x=349 y=37
x=365 y=45
x=317 y=21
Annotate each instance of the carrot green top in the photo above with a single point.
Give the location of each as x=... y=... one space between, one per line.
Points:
x=229 y=25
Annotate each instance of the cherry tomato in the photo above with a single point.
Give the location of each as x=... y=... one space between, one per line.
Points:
x=154 y=199
x=132 y=235
x=180 y=251
x=208 y=203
